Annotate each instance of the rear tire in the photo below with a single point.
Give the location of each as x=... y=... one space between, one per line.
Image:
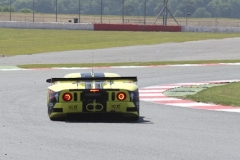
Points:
x=57 y=119
x=49 y=111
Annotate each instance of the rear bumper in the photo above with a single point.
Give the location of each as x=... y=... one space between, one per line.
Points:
x=94 y=116
x=111 y=109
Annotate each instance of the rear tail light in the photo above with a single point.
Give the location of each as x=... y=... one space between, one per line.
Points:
x=94 y=90
x=67 y=97
x=121 y=96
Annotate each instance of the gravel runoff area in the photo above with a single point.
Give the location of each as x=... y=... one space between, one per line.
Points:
x=213 y=49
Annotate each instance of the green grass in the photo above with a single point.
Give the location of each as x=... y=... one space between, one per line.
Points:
x=31 y=41
x=228 y=95
x=127 y=64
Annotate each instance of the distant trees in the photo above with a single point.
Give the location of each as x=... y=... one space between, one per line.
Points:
x=25 y=10
x=201 y=12
x=179 y=8
x=6 y=9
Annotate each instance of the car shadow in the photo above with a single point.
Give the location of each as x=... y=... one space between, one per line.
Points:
x=141 y=120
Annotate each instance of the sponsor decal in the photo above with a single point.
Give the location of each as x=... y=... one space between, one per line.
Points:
x=137 y=104
x=73 y=108
x=115 y=106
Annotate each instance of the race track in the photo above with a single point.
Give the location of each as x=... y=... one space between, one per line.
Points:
x=196 y=50
x=163 y=132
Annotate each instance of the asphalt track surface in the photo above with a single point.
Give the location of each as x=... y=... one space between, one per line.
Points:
x=196 y=50
x=163 y=132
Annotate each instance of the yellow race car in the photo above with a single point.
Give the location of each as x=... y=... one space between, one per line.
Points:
x=102 y=95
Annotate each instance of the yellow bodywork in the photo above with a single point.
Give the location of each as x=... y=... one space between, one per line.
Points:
x=60 y=109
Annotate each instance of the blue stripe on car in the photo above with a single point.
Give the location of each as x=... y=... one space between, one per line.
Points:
x=86 y=75
x=99 y=75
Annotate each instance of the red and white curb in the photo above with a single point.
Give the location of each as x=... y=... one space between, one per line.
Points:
x=155 y=95
x=151 y=66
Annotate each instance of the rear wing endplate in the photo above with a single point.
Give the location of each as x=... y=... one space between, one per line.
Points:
x=52 y=80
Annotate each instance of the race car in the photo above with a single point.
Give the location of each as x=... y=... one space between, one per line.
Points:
x=93 y=94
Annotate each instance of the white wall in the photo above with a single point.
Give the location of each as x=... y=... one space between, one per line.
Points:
x=47 y=25
x=210 y=29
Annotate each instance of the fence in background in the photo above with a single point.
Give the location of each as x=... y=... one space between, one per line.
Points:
x=69 y=18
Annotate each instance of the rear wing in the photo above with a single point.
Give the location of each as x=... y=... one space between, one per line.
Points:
x=52 y=80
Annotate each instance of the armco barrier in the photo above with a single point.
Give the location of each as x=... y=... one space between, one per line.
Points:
x=47 y=25
x=134 y=27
